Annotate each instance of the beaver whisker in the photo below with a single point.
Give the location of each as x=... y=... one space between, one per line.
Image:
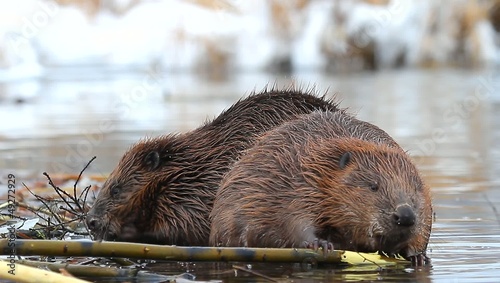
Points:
x=375 y=229
x=99 y=235
x=381 y=243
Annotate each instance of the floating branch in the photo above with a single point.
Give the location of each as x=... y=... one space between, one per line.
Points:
x=22 y=273
x=79 y=270
x=176 y=253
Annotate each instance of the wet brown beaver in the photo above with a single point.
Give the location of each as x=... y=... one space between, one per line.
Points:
x=324 y=177
x=163 y=188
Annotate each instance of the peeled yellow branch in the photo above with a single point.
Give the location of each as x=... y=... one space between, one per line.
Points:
x=161 y=252
x=83 y=270
x=21 y=273
x=355 y=258
x=176 y=253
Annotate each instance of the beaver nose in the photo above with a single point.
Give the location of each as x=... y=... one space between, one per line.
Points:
x=92 y=223
x=404 y=216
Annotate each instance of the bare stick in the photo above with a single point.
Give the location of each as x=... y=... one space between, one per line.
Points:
x=86 y=191
x=254 y=273
x=371 y=260
x=44 y=202
x=493 y=207
x=58 y=190
x=77 y=180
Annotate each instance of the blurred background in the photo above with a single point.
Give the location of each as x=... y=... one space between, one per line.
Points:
x=223 y=36
x=84 y=78
x=89 y=78
x=146 y=67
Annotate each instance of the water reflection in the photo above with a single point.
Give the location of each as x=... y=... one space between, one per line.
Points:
x=448 y=120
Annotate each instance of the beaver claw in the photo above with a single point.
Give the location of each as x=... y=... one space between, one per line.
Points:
x=317 y=243
x=419 y=260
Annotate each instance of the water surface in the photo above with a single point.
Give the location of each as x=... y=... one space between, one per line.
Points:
x=448 y=120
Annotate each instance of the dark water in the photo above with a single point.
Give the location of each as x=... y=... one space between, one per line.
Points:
x=449 y=121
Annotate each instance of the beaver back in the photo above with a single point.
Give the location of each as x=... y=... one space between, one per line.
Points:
x=163 y=188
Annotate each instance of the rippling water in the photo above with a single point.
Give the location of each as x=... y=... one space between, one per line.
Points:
x=448 y=120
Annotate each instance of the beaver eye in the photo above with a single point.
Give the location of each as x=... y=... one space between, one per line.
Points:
x=373 y=187
x=152 y=160
x=344 y=160
x=115 y=191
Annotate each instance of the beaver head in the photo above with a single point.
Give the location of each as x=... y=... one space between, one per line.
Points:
x=370 y=197
x=143 y=200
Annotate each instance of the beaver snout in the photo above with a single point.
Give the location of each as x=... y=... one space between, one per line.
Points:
x=404 y=216
x=93 y=223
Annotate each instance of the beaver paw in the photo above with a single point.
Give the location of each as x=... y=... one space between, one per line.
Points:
x=419 y=260
x=317 y=243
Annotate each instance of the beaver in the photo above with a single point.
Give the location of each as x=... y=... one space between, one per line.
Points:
x=325 y=177
x=163 y=188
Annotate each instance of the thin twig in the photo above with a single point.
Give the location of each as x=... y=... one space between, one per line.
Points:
x=85 y=262
x=493 y=207
x=69 y=211
x=86 y=191
x=54 y=211
x=36 y=211
x=254 y=273
x=77 y=180
x=43 y=201
x=370 y=261
x=58 y=190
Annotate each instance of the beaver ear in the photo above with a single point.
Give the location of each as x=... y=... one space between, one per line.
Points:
x=152 y=160
x=344 y=160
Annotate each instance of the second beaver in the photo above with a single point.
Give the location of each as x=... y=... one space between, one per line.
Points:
x=325 y=177
x=163 y=188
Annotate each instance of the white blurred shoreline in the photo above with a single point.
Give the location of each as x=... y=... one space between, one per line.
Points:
x=221 y=37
